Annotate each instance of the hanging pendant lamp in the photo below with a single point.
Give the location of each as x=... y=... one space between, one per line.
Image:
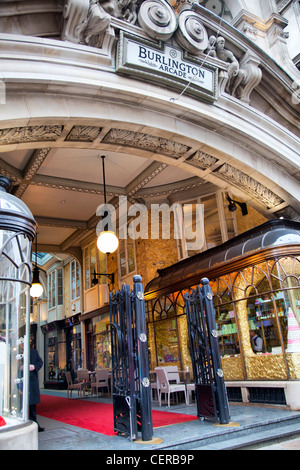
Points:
x=36 y=289
x=107 y=241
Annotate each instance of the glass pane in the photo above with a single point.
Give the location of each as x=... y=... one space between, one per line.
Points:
x=76 y=361
x=102 y=343
x=167 y=342
x=227 y=330
x=60 y=293
x=77 y=280
x=13 y=381
x=211 y=221
x=87 y=268
x=228 y=218
x=285 y=275
x=288 y=306
x=93 y=259
x=55 y=357
x=122 y=258
x=189 y=212
x=102 y=267
x=264 y=333
x=130 y=255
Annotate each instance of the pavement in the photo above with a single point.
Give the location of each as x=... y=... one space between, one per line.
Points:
x=251 y=427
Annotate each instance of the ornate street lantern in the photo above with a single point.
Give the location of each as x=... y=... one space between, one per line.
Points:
x=17 y=231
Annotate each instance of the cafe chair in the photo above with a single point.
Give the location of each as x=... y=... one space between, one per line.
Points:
x=83 y=376
x=189 y=389
x=172 y=373
x=166 y=387
x=101 y=380
x=155 y=386
x=73 y=386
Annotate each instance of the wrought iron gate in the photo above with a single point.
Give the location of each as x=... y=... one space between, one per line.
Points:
x=211 y=395
x=130 y=364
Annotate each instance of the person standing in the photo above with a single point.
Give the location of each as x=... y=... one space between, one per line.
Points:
x=256 y=342
x=36 y=363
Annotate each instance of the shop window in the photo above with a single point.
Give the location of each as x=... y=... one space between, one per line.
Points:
x=219 y=223
x=262 y=319
x=55 y=288
x=167 y=344
x=75 y=356
x=165 y=330
x=75 y=280
x=285 y=277
x=91 y=265
x=252 y=287
x=225 y=319
x=102 y=342
x=163 y=308
x=55 y=355
x=127 y=262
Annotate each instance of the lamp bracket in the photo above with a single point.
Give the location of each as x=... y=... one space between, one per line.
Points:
x=111 y=276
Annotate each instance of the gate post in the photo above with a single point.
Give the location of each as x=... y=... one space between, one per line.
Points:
x=143 y=362
x=130 y=366
x=210 y=387
x=221 y=394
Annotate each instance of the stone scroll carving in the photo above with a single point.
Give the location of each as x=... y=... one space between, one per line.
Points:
x=158 y=19
x=191 y=34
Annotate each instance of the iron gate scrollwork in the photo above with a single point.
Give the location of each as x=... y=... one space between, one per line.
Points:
x=210 y=390
x=130 y=364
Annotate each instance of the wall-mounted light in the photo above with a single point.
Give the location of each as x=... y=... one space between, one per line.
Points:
x=107 y=241
x=232 y=205
x=95 y=275
x=36 y=289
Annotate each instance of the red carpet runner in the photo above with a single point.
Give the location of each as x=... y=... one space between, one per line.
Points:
x=97 y=417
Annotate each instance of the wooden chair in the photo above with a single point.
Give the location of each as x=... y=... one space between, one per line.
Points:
x=83 y=376
x=101 y=380
x=166 y=387
x=73 y=386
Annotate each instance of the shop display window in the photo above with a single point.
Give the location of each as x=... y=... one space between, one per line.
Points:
x=75 y=348
x=102 y=342
x=167 y=342
x=55 y=356
x=263 y=299
x=263 y=320
x=225 y=318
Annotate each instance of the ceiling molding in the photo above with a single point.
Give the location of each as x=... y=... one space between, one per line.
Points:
x=62 y=223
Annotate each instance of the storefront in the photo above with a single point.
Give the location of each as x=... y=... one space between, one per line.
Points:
x=255 y=279
x=63 y=350
x=98 y=338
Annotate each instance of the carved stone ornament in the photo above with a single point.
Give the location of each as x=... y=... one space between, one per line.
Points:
x=86 y=22
x=158 y=19
x=191 y=34
x=75 y=13
x=242 y=76
x=89 y=22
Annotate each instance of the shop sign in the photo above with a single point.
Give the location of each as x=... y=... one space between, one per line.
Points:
x=166 y=65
